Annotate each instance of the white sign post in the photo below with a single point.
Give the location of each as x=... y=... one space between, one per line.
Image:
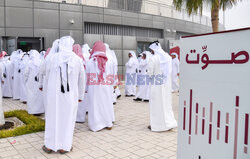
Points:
x=214 y=104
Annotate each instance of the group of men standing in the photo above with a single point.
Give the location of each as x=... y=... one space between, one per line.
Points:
x=156 y=75
x=68 y=80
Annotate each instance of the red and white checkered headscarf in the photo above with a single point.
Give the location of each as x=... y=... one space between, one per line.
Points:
x=99 y=53
x=3 y=53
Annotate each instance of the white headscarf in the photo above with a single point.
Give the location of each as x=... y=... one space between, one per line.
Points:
x=35 y=58
x=148 y=55
x=86 y=51
x=164 y=57
x=136 y=62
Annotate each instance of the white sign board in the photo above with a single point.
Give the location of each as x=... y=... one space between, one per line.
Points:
x=214 y=104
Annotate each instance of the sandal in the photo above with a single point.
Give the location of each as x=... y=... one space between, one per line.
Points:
x=45 y=149
x=64 y=152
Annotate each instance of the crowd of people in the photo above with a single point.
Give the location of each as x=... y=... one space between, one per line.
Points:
x=69 y=81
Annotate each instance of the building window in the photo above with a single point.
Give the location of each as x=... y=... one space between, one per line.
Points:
x=112 y=29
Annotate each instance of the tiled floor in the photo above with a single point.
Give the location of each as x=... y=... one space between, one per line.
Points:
x=129 y=137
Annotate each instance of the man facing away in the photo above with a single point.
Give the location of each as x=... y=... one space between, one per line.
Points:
x=65 y=88
x=161 y=113
x=100 y=73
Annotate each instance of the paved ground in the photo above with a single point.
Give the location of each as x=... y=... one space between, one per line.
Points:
x=129 y=137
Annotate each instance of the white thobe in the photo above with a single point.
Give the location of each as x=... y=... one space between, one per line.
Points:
x=16 y=79
x=61 y=107
x=23 y=88
x=2 y=121
x=161 y=113
x=130 y=80
x=143 y=90
x=7 y=85
x=34 y=95
x=100 y=108
x=176 y=63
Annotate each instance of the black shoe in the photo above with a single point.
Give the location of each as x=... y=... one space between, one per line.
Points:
x=132 y=95
x=127 y=95
x=149 y=127
x=137 y=99
x=145 y=100
x=118 y=96
x=114 y=103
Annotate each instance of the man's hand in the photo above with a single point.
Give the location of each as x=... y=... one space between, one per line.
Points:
x=2 y=82
x=115 y=87
x=178 y=74
x=41 y=89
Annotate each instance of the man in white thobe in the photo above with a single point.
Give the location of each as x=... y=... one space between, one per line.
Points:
x=143 y=90
x=99 y=87
x=2 y=121
x=65 y=88
x=175 y=72
x=43 y=79
x=7 y=77
x=82 y=106
x=86 y=52
x=23 y=89
x=34 y=95
x=131 y=74
x=15 y=59
x=160 y=69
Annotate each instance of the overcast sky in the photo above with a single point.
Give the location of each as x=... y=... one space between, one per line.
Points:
x=236 y=17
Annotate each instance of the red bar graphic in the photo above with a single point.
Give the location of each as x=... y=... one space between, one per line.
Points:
x=226 y=134
x=189 y=140
x=210 y=134
x=196 y=125
x=236 y=131
x=197 y=105
x=184 y=118
x=227 y=118
x=245 y=149
x=190 y=111
x=184 y=102
x=203 y=126
x=218 y=119
x=203 y=112
x=218 y=134
x=237 y=101
x=246 y=129
x=211 y=112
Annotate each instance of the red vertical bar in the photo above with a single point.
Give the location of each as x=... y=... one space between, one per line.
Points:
x=236 y=132
x=196 y=125
x=190 y=111
x=245 y=149
x=210 y=134
x=227 y=118
x=203 y=126
x=184 y=102
x=218 y=134
x=203 y=112
x=226 y=134
x=246 y=129
x=197 y=109
x=218 y=119
x=237 y=101
x=184 y=118
x=189 y=140
x=211 y=112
